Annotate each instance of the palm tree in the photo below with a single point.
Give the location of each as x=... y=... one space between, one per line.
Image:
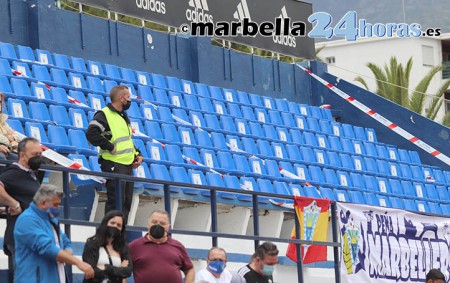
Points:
x=393 y=84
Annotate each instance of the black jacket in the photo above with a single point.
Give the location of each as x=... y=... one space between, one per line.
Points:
x=114 y=274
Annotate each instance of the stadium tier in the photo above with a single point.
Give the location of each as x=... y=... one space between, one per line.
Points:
x=257 y=142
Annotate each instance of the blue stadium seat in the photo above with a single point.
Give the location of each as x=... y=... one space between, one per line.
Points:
x=208 y=158
x=203 y=139
x=283 y=134
x=422 y=206
x=16 y=125
x=327 y=193
x=249 y=145
x=198 y=178
x=288 y=120
x=281 y=105
x=61 y=61
x=264 y=148
x=5 y=68
x=415 y=159
x=243 y=97
x=59 y=77
x=112 y=71
x=216 y=92
x=293 y=152
x=173 y=83
x=78 y=82
x=219 y=107
x=396 y=203
x=229 y=95
x=36 y=130
x=41 y=93
x=296 y=137
x=18 y=110
x=95 y=84
x=268 y=102
x=233 y=142
x=136 y=127
x=216 y=180
x=234 y=110
x=108 y=85
x=282 y=188
x=95 y=68
x=270 y=132
x=438 y=176
x=158 y=80
x=312 y=192
x=358 y=181
x=226 y=163
x=78 y=140
x=174 y=154
x=145 y=93
x=431 y=192
x=148 y=112
x=192 y=153
x=356 y=197
x=205 y=104
x=7 y=51
x=396 y=188
x=170 y=133
x=25 y=53
x=78 y=118
x=144 y=172
x=165 y=114
x=78 y=64
x=304 y=110
x=22 y=68
x=156 y=153
x=186 y=136
x=371 y=199
x=22 y=90
x=341 y=195
x=139 y=144
x=335 y=143
x=255 y=100
x=160 y=172
x=261 y=115
x=275 y=118
x=443 y=193
x=371 y=183
x=143 y=78
x=58 y=137
x=41 y=73
x=371 y=135
x=227 y=123
x=310 y=139
x=58 y=114
x=408 y=189
x=202 y=90
x=334 y=159
x=322 y=141
x=316 y=175
x=293 y=108
x=96 y=101
x=44 y=57
x=219 y=141
x=59 y=95
x=161 y=96
x=247 y=113
x=191 y=102
x=134 y=111
x=128 y=75
x=434 y=208
x=176 y=99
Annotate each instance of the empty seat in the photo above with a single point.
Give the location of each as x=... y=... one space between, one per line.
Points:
x=58 y=115
x=44 y=57
x=22 y=90
x=158 y=80
x=41 y=73
x=18 y=110
x=78 y=140
x=41 y=93
x=58 y=137
x=7 y=50
x=112 y=71
x=36 y=130
x=143 y=78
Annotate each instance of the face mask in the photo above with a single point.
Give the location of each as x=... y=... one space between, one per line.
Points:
x=216 y=266
x=35 y=162
x=268 y=269
x=157 y=231
x=112 y=232
x=127 y=105
x=54 y=211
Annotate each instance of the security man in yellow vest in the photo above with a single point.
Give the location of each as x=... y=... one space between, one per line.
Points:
x=110 y=130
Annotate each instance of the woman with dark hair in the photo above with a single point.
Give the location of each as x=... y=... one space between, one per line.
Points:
x=107 y=251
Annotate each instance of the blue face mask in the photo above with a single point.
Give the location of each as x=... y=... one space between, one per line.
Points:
x=54 y=211
x=268 y=269
x=216 y=266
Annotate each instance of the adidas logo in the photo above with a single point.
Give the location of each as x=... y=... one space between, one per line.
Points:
x=152 y=5
x=199 y=11
x=287 y=40
x=242 y=11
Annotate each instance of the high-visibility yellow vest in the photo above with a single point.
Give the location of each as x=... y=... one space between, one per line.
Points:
x=121 y=138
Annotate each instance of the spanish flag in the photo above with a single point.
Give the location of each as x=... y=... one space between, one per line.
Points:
x=313 y=218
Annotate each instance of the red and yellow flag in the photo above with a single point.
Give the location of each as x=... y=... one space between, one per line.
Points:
x=313 y=218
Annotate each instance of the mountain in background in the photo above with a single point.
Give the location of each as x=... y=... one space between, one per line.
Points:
x=429 y=14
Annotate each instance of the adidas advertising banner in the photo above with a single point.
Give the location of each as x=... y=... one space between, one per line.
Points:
x=281 y=26
x=386 y=245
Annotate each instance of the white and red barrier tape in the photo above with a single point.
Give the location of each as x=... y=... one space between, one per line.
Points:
x=383 y=120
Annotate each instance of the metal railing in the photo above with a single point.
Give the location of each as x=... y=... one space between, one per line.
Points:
x=214 y=234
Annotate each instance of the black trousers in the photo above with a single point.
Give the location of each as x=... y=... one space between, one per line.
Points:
x=126 y=187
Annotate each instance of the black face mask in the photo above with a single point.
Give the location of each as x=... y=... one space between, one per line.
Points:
x=112 y=232
x=157 y=231
x=127 y=105
x=35 y=162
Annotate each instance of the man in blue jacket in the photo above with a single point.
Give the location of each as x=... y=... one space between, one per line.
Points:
x=42 y=248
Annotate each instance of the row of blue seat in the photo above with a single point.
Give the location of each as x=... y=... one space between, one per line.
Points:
x=415 y=197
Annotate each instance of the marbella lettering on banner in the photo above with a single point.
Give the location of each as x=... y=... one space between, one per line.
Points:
x=291 y=16
x=390 y=245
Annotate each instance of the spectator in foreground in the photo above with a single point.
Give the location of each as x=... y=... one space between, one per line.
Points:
x=215 y=271
x=435 y=276
x=107 y=251
x=42 y=248
x=18 y=185
x=157 y=256
x=261 y=266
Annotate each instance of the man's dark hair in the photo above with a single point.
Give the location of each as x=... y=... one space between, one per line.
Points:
x=116 y=91
x=23 y=143
x=265 y=249
x=435 y=274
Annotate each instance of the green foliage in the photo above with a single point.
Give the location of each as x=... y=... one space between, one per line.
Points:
x=393 y=83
